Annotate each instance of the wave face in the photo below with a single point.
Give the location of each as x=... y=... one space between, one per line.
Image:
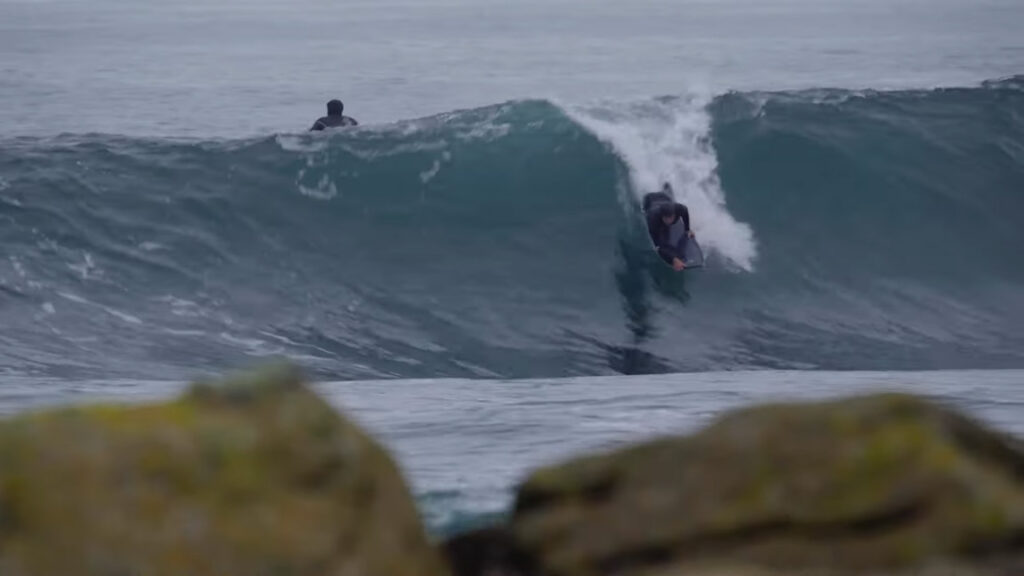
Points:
x=869 y=230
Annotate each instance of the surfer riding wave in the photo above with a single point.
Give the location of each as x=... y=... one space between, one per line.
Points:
x=668 y=223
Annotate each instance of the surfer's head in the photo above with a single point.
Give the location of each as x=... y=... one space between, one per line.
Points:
x=667 y=213
x=335 y=108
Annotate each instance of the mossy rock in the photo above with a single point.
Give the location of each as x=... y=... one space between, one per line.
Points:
x=868 y=485
x=252 y=477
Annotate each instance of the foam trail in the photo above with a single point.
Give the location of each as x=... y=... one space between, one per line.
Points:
x=667 y=140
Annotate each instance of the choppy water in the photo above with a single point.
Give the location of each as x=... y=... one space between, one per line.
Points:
x=855 y=172
x=235 y=68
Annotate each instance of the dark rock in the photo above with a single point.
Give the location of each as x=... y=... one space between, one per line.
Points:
x=487 y=552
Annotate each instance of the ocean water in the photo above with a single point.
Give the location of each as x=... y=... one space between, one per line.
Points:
x=235 y=68
x=467 y=272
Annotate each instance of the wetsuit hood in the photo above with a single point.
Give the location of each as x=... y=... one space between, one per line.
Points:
x=335 y=108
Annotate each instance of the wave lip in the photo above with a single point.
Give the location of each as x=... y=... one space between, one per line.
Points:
x=668 y=140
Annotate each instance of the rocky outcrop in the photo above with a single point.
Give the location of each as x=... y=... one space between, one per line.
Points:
x=259 y=477
x=256 y=476
x=886 y=484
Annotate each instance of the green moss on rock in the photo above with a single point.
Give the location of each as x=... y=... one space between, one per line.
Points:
x=254 y=476
x=877 y=484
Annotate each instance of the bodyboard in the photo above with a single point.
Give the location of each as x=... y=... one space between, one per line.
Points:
x=694 y=255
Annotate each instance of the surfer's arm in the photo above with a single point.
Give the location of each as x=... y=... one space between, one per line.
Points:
x=672 y=257
x=684 y=213
x=652 y=226
x=668 y=254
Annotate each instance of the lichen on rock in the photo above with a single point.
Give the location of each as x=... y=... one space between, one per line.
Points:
x=253 y=476
x=867 y=485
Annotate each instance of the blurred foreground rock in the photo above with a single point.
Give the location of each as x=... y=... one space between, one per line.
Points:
x=252 y=477
x=879 y=485
x=258 y=476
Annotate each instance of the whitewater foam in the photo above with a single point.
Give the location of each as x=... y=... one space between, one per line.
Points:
x=19 y=268
x=667 y=140
x=324 y=189
x=86 y=268
x=124 y=317
x=428 y=175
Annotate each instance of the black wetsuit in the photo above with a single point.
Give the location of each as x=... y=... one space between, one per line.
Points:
x=333 y=122
x=661 y=233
